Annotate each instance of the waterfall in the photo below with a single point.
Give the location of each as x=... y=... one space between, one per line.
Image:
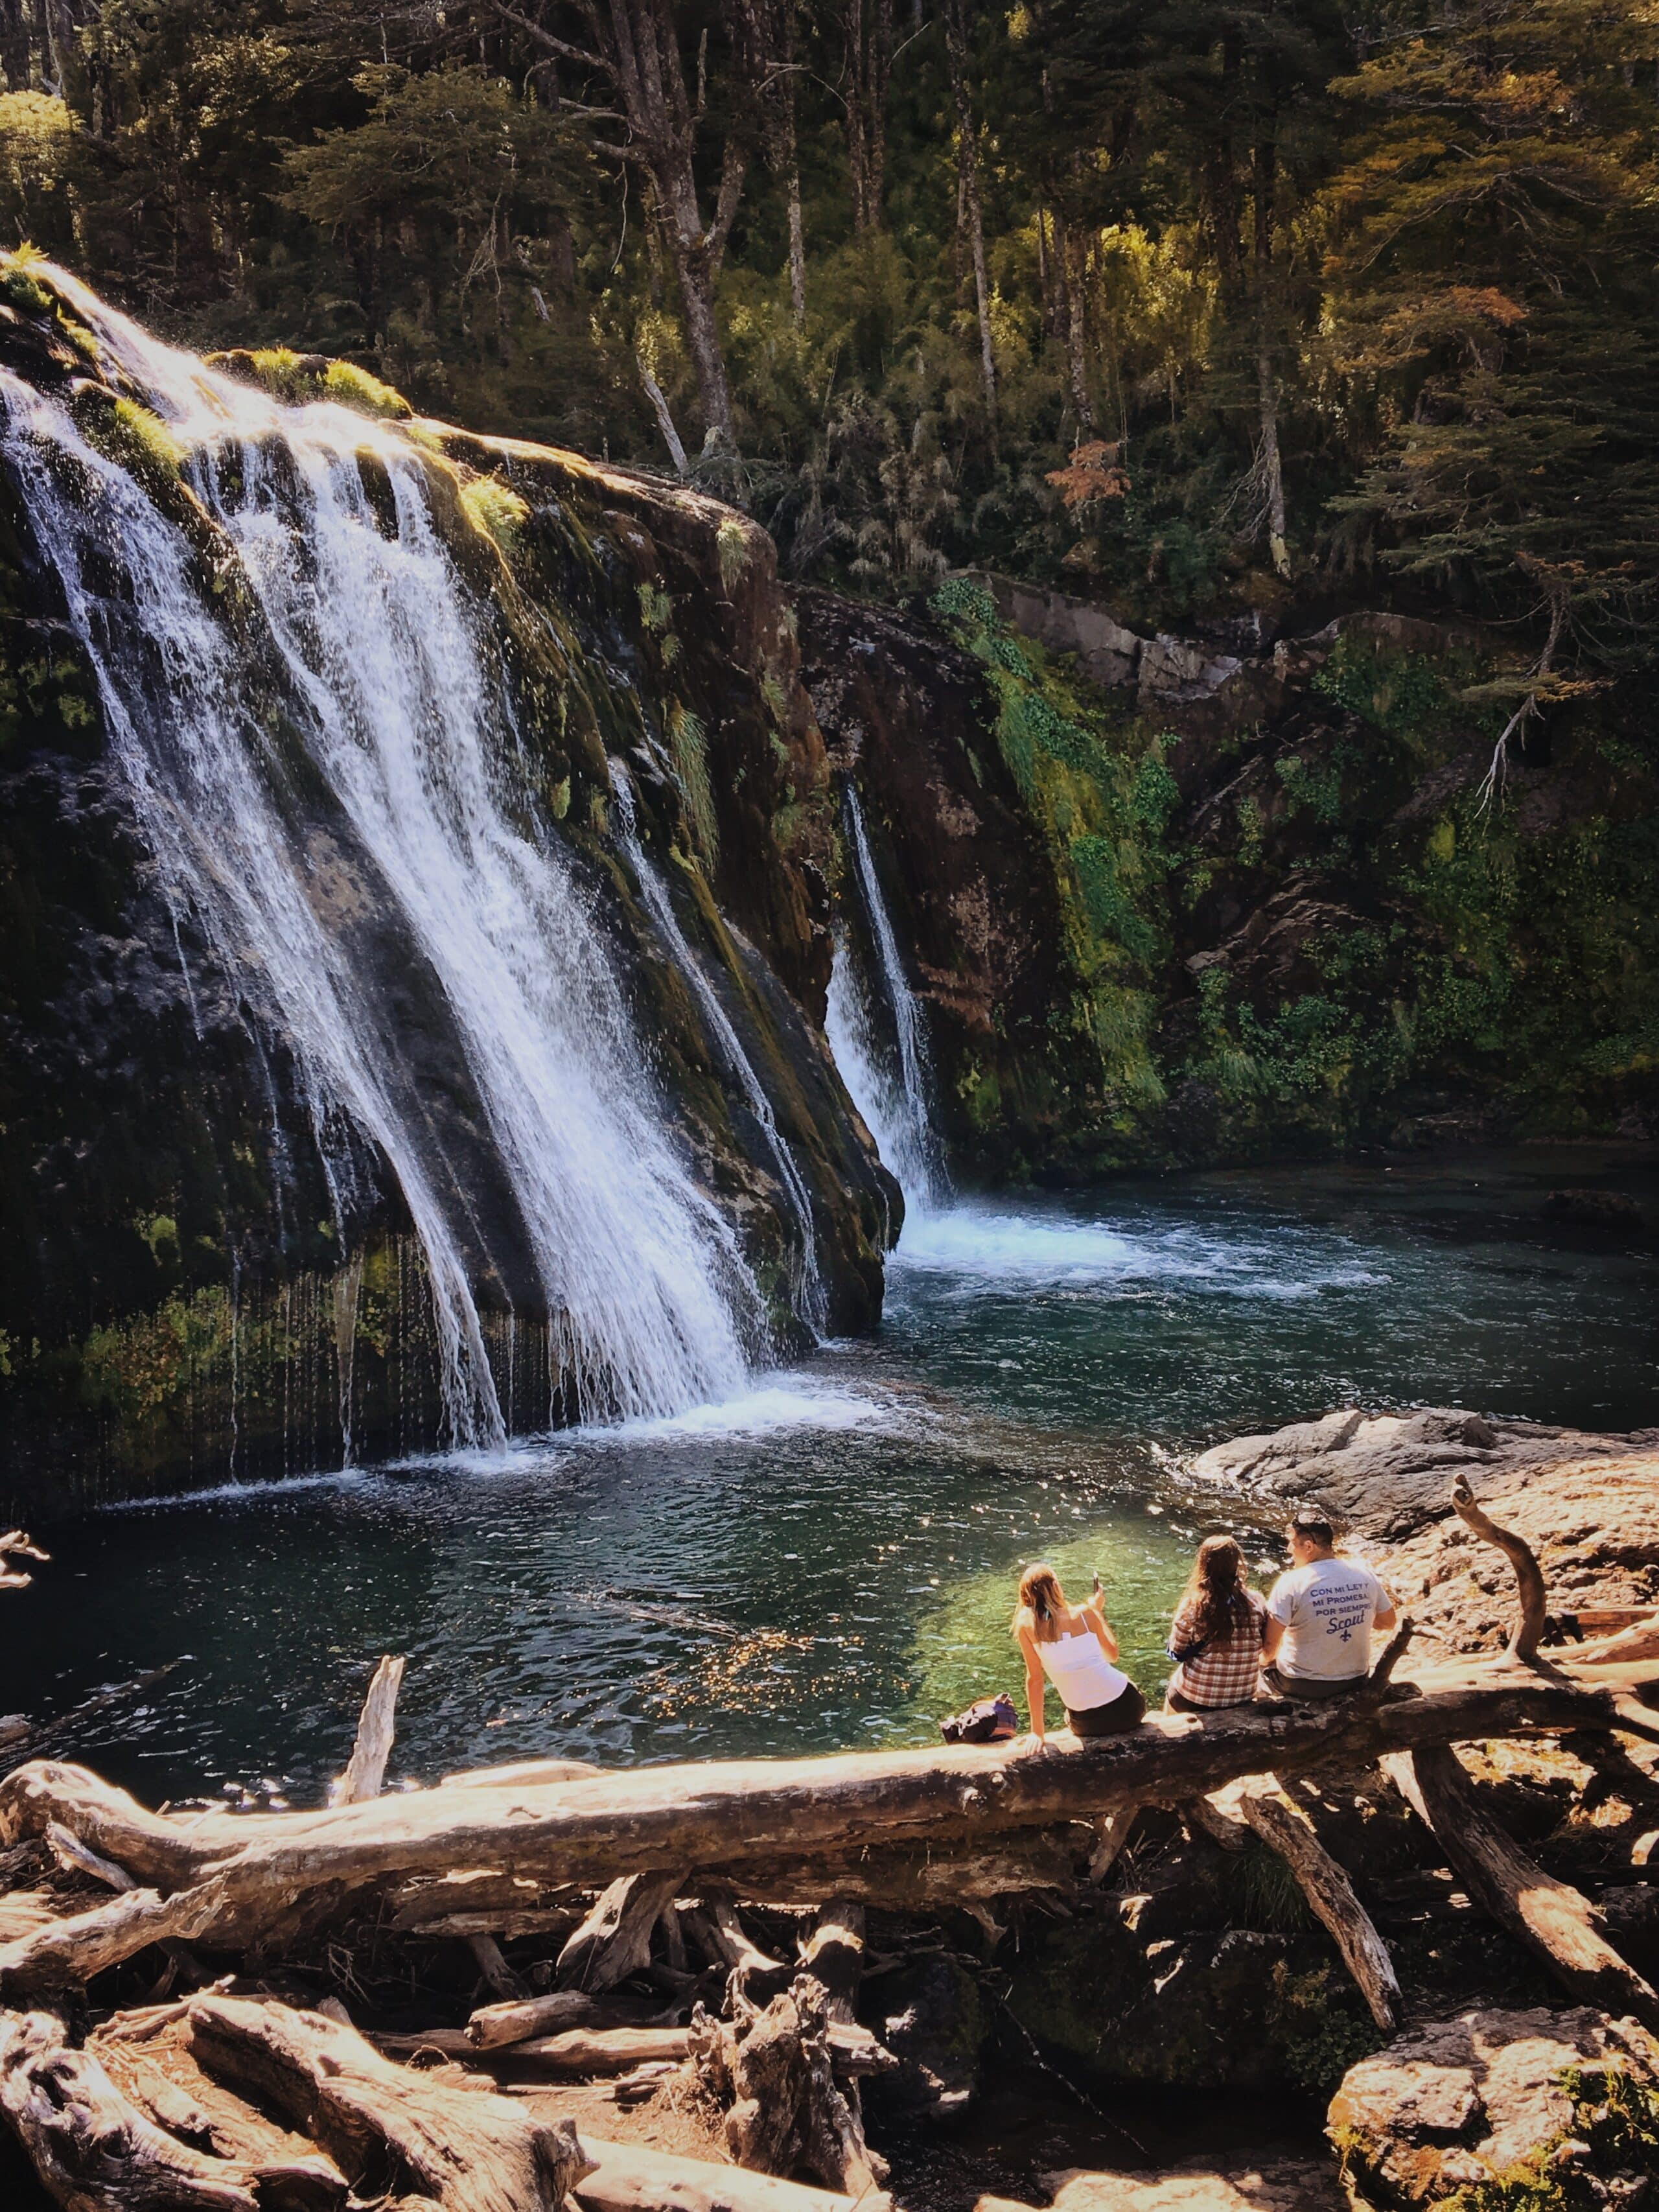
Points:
x=809 y=1302
x=388 y=695
x=890 y=1083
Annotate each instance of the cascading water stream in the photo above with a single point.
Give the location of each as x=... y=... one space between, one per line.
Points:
x=388 y=684
x=811 y=1303
x=891 y=1086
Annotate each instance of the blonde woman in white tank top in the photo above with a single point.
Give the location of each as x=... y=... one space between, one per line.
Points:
x=1073 y=1648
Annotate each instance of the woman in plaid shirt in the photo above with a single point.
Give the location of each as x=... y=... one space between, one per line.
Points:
x=1216 y=1639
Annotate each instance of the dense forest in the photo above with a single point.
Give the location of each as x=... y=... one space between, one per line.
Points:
x=1187 y=304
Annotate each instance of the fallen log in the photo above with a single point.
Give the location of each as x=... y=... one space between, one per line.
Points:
x=475 y=1901
x=523 y=1771
x=583 y=2050
x=629 y=2178
x=1267 y=1808
x=1553 y=1919
x=493 y=2027
x=734 y=1816
x=614 y=1941
x=95 y=2151
x=919 y=1876
x=466 y=2149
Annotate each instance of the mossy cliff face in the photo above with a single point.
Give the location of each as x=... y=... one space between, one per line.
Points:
x=193 y=1291
x=1224 y=905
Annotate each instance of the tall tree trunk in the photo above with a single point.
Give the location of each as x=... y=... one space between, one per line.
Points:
x=797 y=251
x=782 y=94
x=13 y=45
x=703 y=338
x=1220 y=184
x=1076 y=336
x=968 y=206
x=869 y=65
x=1263 y=179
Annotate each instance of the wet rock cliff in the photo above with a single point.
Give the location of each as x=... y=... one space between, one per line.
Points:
x=1183 y=901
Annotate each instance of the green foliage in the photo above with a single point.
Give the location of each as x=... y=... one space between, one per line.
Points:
x=656 y=608
x=1318 y=2026
x=688 y=741
x=21 y=290
x=496 y=509
x=1406 y=694
x=1101 y=798
x=1319 y=790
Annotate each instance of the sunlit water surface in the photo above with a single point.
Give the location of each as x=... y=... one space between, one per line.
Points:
x=829 y=1560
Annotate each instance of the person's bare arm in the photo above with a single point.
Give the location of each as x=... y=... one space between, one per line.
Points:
x=1036 y=1684
x=1094 y=1614
x=1273 y=1635
x=1387 y=1614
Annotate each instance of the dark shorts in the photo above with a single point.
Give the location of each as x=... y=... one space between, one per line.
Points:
x=1309 y=1690
x=1174 y=1703
x=1127 y=1711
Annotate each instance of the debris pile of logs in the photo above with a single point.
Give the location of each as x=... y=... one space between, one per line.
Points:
x=641 y=1891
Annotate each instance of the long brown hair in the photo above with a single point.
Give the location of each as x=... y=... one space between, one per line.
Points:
x=1042 y=1601
x=1215 y=1588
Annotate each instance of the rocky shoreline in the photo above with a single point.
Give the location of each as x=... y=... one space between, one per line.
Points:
x=1135 y=2011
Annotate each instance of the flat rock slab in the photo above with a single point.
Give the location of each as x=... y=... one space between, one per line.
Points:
x=1269 y=2185
x=1389 y=1475
x=1464 y=2101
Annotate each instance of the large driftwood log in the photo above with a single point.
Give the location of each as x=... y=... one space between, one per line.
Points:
x=526 y=1770
x=376 y=1730
x=270 y=1872
x=584 y=2051
x=1265 y=1807
x=614 y=1940
x=629 y=2178
x=95 y=2151
x=724 y=1812
x=383 y=2125
x=1554 y=1920
x=493 y=2027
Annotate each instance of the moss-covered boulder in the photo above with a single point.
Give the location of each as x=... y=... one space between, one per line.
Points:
x=1503 y=2112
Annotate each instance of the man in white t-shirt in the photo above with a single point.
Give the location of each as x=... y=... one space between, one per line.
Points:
x=1321 y=1612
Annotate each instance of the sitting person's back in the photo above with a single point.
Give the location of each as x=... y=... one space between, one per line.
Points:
x=1216 y=1638
x=1321 y=1612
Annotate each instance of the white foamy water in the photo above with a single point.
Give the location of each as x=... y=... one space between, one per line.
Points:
x=980 y=1247
x=891 y=1084
x=387 y=671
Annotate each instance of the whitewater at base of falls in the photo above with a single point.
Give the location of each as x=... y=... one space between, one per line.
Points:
x=390 y=687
